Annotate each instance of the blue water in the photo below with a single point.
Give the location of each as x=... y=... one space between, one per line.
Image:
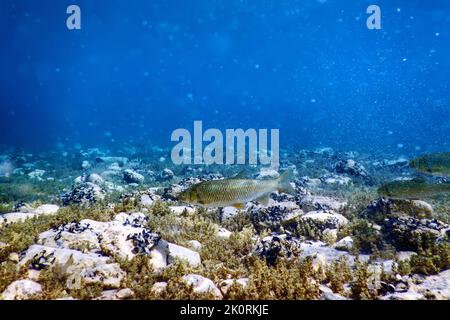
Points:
x=139 y=69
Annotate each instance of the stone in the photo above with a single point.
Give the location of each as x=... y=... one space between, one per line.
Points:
x=345 y=244
x=83 y=193
x=85 y=165
x=383 y=208
x=126 y=293
x=335 y=179
x=354 y=169
x=14 y=217
x=166 y=174
x=96 y=179
x=225 y=285
x=277 y=216
x=195 y=245
x=21 y=290
x=272 y=247
x=223 y=233
x=228 y=213
x=14 y=257
x=325 y=219
x=201 y=285
x=46 y=209
x=404 y=296
x=159 y=287
x=312 y=203
x=37 y=174
x=131 y=176
x=179 y=252
x=328 y=294
x=75 y=265
x=437 y=286
x=178 y=210
x=146 y=200
x=404 y=232
x=268 y=173
x=405 y=255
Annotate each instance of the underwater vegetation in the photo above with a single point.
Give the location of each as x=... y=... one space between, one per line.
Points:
x=117 y=230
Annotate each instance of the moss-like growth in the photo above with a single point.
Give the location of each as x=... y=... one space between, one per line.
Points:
x=431 y=260
x=366 y=238
x=360 y=285
x=338 y=274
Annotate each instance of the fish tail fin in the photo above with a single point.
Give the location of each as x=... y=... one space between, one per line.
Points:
x=284 y=182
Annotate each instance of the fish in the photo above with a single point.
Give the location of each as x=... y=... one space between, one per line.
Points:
x=235 y=191
x=436 y=164
x=413 y=189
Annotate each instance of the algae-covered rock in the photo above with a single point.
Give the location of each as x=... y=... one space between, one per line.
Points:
x=21 y=290
x=202 y=285
x=407 y=233
x=83 y=193
x=312 y=203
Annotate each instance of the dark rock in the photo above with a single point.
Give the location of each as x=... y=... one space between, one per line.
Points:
x=407 y=233
x=271 y=248
x=84 y=193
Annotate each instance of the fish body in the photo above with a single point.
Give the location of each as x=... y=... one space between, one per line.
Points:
x=234 y=192
x=413 y=189
x=437 y=164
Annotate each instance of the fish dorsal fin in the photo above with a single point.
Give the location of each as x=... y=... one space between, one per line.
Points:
x=243 y=174
x=418 y=179
x=238 y=205
x=264 y=199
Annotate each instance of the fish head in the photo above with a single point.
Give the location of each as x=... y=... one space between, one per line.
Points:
x=384 y=191
x=420 y=164
x=189 y=195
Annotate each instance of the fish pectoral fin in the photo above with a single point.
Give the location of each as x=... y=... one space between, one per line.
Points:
x=238 y=205
x=264 y=199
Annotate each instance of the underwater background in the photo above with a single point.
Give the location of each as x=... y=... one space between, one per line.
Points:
x=137 y=70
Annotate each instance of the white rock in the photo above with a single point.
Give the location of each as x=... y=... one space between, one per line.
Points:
x=436 y=285
x=77 y=266
x=131 y=176
x=195 y=245
x=14 y=217
x=180 y=209
x=225 y=285
x=311 y=203
x=409 y=295
x=166 y=174
x=36 y=174
x=201 y=284
x=95 y=178
x=109 y=275
x=179 y=252
x=223 y=233
x=159 y=287
x=344 y=244
x=229 y=212
x=405 y=255
x=85 y=164
x=146 y=200
x=126 y=293
x=335 y=220
x=21 y=290
x=328 y=294
x=47 y=209
x=268 y=173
